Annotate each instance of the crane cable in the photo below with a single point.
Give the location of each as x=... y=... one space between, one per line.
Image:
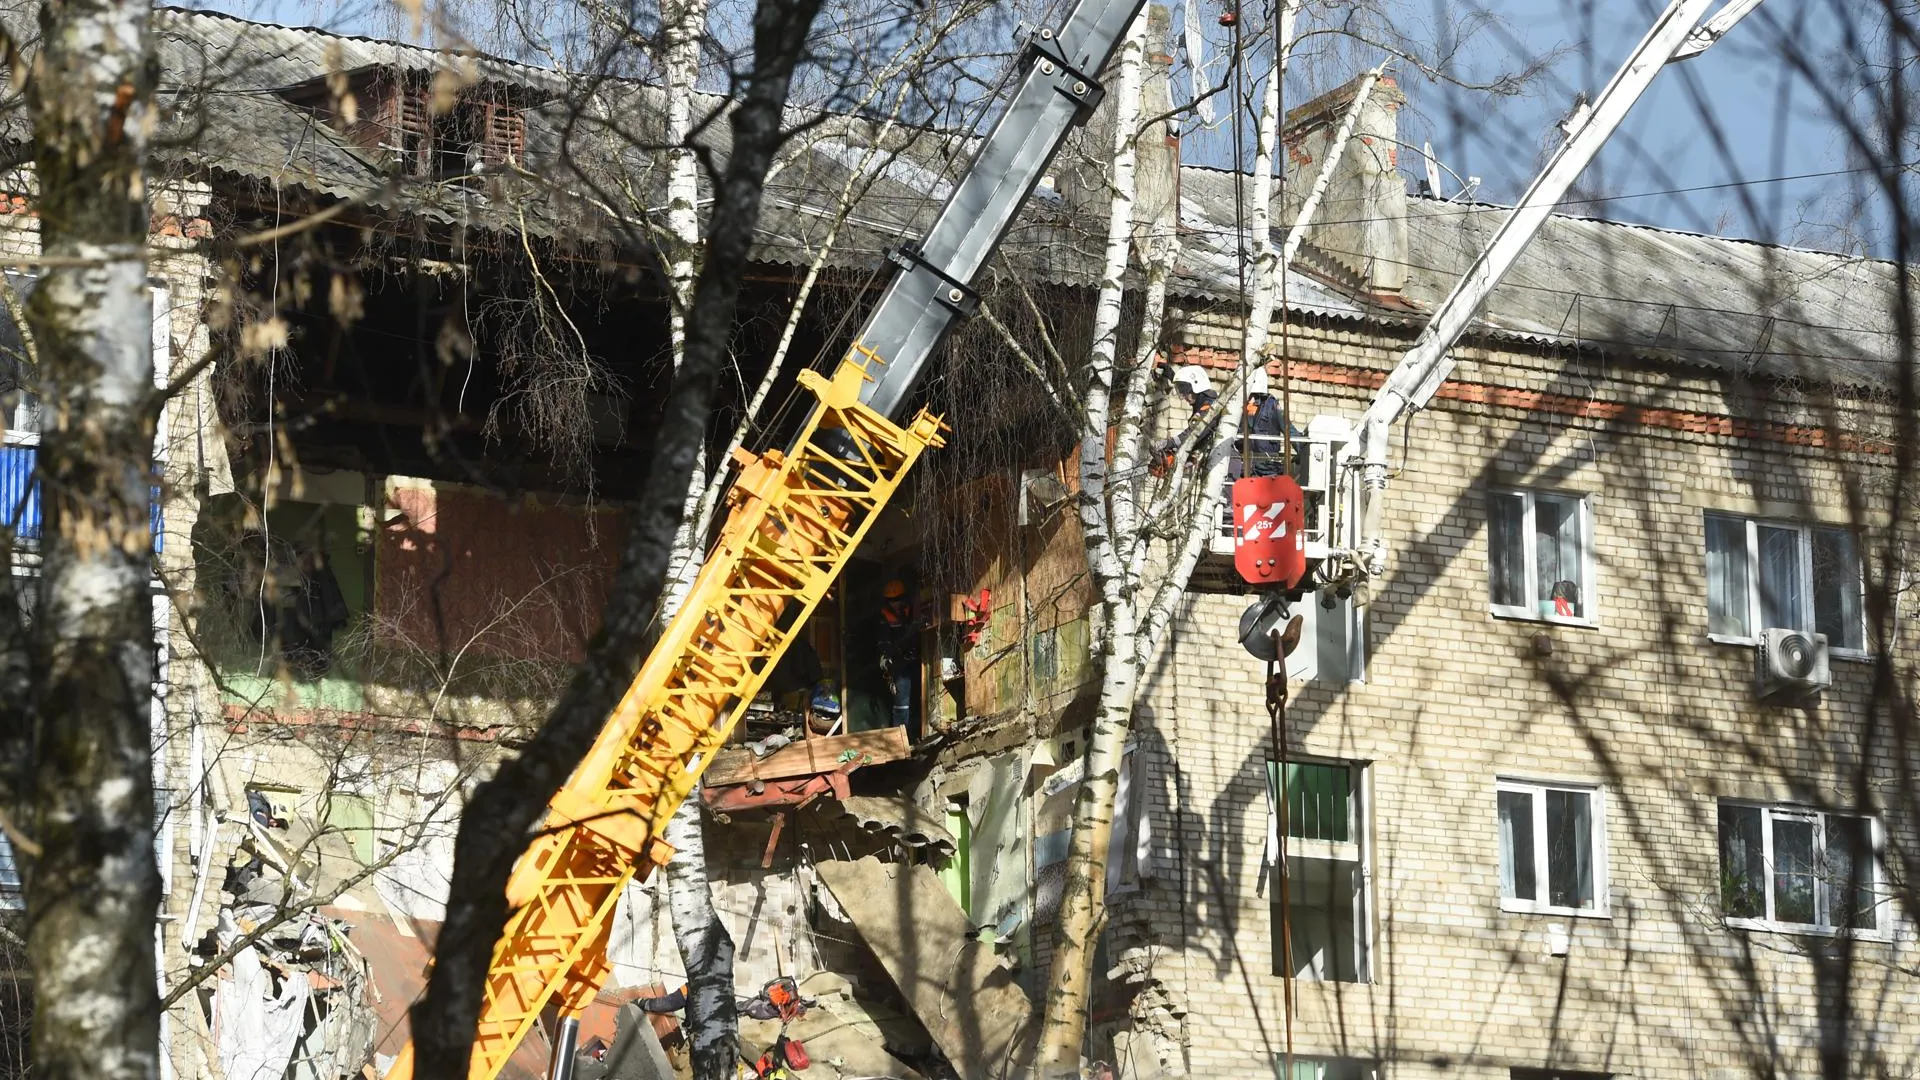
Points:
x=1277 y=734
x=1230 y=18
x=1277 y=669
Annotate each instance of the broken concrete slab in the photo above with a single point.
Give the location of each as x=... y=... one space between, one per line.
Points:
x=878 y=1021
x=636 y=1053
x=977 y=1015
x=896 y=1030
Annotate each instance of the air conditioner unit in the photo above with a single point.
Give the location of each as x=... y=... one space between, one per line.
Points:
x=1791 y=664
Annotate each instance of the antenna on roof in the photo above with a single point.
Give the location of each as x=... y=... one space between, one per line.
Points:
x=1433 y=170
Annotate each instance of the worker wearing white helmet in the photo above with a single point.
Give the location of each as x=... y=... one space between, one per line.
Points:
x=1267 y=427
x=1191 y=380
x=1193 y=386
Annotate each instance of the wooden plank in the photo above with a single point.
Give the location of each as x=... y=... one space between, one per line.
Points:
x=977 y=1015
x=807 y=757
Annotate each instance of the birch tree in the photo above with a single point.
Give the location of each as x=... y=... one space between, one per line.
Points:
x=706 y=949
x=503 y=810
x=1137 y=587
x=78 y=731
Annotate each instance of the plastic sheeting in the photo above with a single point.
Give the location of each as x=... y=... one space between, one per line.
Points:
x=259 y=1028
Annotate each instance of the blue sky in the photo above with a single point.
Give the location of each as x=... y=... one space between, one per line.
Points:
x=1705 y=150
x=1724 y=122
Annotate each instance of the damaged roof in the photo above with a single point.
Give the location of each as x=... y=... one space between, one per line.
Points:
x=1734 y=306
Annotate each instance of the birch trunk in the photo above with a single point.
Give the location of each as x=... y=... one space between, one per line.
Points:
x=706 y=949
x=1063 y=1027
x=1136 y=609
x=1266 y=268
x=680 y=73
x=502 y=810
x=93 y=893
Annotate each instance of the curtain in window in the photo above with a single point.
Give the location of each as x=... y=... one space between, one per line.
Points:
x=1570 y=849
x=1516 y=845
x=1849 y=873
x=1319 y=801
x=1743 y=868
x=1836 y=589
x=1727 y=576
x=1506 y=553
x=1782 y=593
x=1794 y=874
x=1557 y=555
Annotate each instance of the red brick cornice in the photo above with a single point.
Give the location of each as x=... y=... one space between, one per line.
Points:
x=1586 y=408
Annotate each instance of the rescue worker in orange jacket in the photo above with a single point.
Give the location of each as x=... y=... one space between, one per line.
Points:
x=899 y=647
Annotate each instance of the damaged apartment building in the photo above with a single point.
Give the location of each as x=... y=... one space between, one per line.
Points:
x=1538 y=821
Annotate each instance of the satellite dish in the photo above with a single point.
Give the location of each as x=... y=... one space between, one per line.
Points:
x=1433 y=170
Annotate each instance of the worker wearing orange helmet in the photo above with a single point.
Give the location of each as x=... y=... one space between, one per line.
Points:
x=899 y=648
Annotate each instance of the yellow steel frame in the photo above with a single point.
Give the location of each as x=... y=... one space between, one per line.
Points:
x=794 y=519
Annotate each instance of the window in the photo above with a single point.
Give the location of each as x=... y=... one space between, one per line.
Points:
x=1552 y=848
x=1792 y=868
x=1763 y=574
x=1555 y=1074
x=19 y=405
x=20 y=412
x=11 y=896
x=1306 y=1068
x=1537 y=548
x=19 y=415
x=469 y=136
x=1326 y=894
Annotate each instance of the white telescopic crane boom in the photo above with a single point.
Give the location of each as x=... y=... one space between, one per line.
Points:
x=1678 y=35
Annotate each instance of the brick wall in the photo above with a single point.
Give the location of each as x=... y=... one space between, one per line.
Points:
x=1642 y=703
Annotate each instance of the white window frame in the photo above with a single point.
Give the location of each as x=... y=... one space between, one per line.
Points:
x=1804 y=548
x=1358 y=851
x=1322 y=1065
x=17 y=433
x=1884 y=915
x=1597 y=802
x=1531 y=609
x=13 y=896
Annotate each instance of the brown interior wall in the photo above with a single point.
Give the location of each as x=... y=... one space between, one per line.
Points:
x=466 y=568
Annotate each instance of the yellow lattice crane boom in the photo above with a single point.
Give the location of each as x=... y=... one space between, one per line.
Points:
x=794 y=518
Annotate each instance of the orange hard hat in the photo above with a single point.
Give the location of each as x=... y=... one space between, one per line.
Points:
x=893 y=589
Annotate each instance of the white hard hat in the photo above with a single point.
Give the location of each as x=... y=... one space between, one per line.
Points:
x=1257 y=381
x=1193 y=378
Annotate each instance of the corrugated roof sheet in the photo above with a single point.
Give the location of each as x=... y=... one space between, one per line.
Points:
x=1731 y=305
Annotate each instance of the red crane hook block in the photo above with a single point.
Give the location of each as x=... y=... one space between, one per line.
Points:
x=1269 y=538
